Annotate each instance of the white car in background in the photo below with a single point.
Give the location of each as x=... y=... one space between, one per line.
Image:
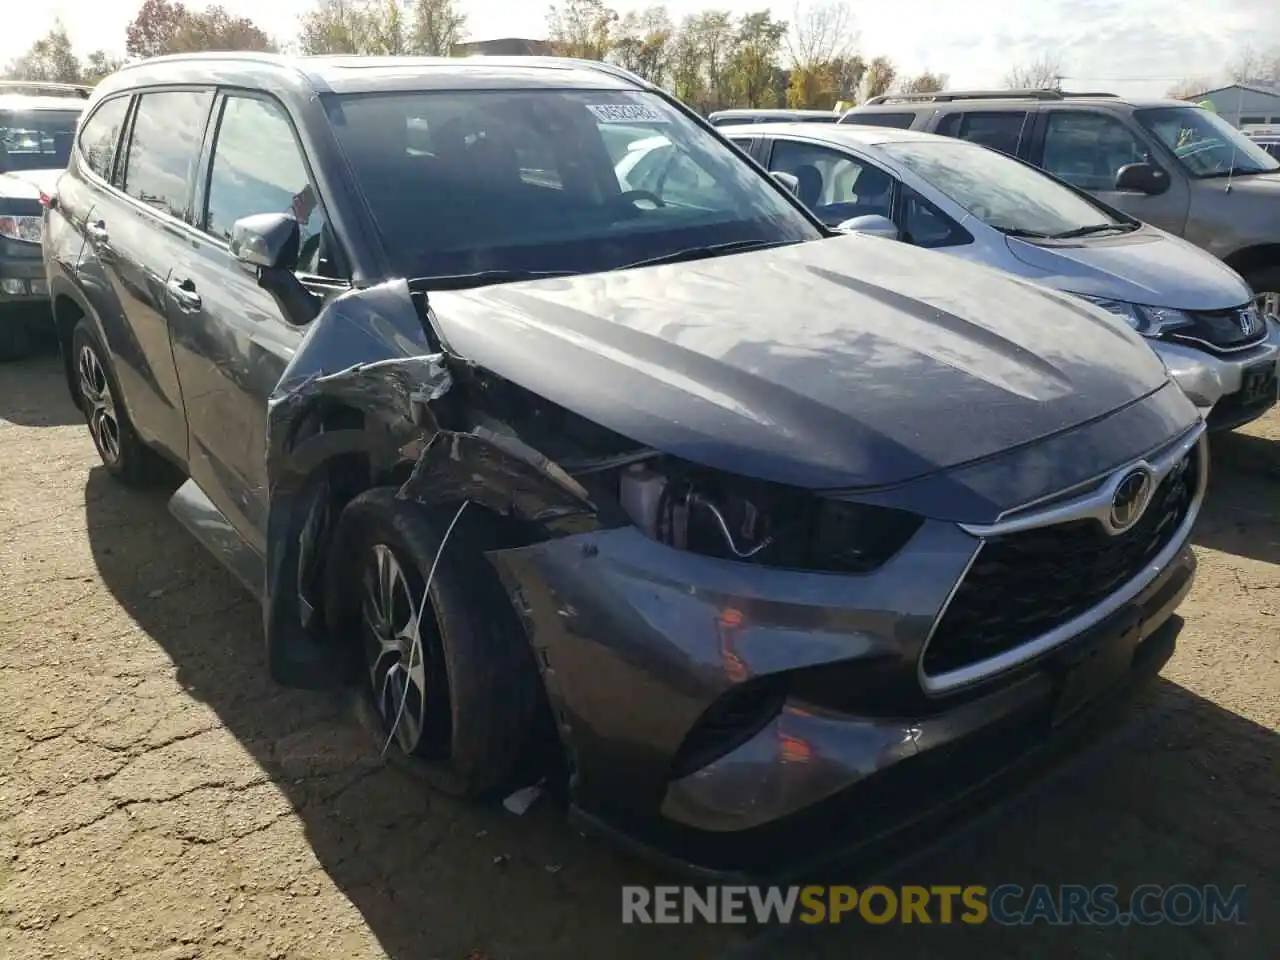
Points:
x=968 y=201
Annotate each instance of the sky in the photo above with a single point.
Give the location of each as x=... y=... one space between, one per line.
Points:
x=1133 y=47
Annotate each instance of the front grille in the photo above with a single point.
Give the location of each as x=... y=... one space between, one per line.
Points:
x=1232 y=329
x=1024 y=584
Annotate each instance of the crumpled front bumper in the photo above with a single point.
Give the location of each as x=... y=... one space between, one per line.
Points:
x=638 y=641
x=1207 y=379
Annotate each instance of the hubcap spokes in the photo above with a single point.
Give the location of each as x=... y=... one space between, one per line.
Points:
x=101 y=413
x=392 y=624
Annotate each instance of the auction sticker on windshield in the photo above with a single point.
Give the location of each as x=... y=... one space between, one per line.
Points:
x=626 y=113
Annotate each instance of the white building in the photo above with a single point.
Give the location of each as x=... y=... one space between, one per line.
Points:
x=1244 y=103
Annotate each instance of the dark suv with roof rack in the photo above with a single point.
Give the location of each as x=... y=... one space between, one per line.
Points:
x=1175 y=165
x=37 y=124
x=519 y=395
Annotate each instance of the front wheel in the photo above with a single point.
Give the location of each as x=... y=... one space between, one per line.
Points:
x=448 y=665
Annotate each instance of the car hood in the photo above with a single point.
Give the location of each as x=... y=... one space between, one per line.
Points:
x=28 y=184
x=847 y=362
x=1147 y=266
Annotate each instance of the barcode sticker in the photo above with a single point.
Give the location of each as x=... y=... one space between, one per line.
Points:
x=627 y=113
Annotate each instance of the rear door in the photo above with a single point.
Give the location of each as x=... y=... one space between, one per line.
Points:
x=1086 y=148
x=230 y=341
x=1008 y=131
x=136 y=231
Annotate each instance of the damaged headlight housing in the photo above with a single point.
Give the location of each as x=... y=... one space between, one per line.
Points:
x=1148 y=321
x=752 y=521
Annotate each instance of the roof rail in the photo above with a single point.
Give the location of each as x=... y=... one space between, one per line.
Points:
x=46 y=88
x=948 y=96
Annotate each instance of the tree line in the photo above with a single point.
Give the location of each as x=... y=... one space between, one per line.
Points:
x=711 y=59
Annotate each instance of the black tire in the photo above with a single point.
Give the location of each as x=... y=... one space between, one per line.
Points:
x=482 y=688
x=1264 y=281
x=123 y=453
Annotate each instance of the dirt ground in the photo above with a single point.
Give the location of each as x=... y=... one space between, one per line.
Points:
x=159 y=798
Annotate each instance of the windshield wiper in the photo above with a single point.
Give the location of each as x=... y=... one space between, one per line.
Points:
x=711 y=250
x=465 y=281
x=1019 y=232
x=1091 y=229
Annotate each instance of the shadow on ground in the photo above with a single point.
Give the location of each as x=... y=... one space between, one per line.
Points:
x=1187 y=793
x=1242 y=514
x=35 y=393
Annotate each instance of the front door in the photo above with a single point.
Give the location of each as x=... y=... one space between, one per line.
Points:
x=1087 y=148
x=230 y=342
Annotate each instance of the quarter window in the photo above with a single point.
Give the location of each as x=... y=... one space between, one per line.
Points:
x=258 y=168
x=1000 y=130
x=1086 y=149
x=100 y=136
x=165 y=147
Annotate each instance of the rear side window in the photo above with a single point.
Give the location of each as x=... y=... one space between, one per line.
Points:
x=901 y=121
x=164 y=148
x=998 y=130
x=100 y=136
x=258 y=168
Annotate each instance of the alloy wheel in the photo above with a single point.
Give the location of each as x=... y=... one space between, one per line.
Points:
x=95 y=391
x=401 y=644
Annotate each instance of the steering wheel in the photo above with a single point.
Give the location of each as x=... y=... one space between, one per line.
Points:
x=631 y=196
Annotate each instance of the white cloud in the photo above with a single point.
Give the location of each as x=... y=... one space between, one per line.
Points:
x=1112 y=44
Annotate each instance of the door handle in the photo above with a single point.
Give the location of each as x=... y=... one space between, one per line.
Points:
x=184 y=291
x=97 y=231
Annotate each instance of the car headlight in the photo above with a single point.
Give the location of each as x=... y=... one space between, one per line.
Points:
x=20 y=228
x=752 y=521
x=1148 y=321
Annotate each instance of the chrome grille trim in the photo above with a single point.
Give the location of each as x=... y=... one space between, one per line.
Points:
x=1084 y=507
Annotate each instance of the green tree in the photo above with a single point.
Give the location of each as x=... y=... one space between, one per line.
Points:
x=753 y=67
x=926 y=82
x=688 y=79
x=582 y=28
x=99 y=64
x=167 y=26
x=435 y=27
x=643 y=43
x=716 y=38
x=879 y=77
x=336 y=26
x=50 y=59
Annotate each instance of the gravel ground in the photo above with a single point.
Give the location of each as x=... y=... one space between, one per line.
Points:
x=160 y=798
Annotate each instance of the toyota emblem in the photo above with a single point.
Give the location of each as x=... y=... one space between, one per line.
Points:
x=1250 y=321
x=1130 y=499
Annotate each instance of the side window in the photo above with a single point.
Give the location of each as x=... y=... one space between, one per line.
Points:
x=1086 y=149
x=165 y=147
x=924 y=225
x=834 y=185
x=100 y=136
x=257 y=168
x=1000 y=130
x=901 y=121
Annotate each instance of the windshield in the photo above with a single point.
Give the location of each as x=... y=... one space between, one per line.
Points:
x=463 y=182
x=36 y=140
x=1204 y=143
x=1000 y=191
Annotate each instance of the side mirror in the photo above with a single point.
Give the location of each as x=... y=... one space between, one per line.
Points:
x=788 y=180
x=267 y=240
x=872 y=224
x=1142 y=178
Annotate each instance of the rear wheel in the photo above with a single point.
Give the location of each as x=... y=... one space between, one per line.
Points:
x=448 y=666
x=123 y=453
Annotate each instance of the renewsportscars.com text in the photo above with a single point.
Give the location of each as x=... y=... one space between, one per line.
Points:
x=1007 y=904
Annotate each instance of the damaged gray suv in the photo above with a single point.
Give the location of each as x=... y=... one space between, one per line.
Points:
x=760 y=540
